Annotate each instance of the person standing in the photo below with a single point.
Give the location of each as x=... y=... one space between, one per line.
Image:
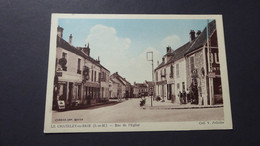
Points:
x=188 y=96
x=180 y=96
x=184 y=96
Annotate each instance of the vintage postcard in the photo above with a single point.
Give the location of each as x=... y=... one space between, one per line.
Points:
x=113 y=73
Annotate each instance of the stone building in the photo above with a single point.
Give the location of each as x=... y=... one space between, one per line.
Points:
x=193 y=68
x=123 y=84
x=203 y=67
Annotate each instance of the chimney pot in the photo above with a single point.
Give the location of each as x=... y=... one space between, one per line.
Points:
x=192 y=35
x=198 y=33
x=60 y=31
x=168 y=49
x=70 y=39
x=163 y=59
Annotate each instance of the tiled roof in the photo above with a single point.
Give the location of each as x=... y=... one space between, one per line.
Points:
x=113 y=81
x=180 y=52
x=150 y=83
x=104 y=68
x=177 y=54
x=160 y=65
x=202 y=38
x=65 y=45
x=140 y=85
x=116 y=75
x=189 y=46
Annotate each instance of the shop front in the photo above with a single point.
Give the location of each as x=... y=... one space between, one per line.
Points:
x=91 y=92
x=162 y=85
x=170 y=91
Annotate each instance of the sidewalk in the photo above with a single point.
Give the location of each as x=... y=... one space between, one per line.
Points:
x=92 y=105
x=169 y=105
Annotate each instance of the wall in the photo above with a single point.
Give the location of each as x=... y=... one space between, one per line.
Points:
x=198 y=64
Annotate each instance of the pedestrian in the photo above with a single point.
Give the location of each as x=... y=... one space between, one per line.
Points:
x=188 y=96
x=180 y=96
x=184 y=96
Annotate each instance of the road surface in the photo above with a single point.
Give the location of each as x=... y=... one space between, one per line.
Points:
x=130 y=111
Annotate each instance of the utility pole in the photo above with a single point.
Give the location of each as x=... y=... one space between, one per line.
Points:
x=151 y=59
x=209 y=66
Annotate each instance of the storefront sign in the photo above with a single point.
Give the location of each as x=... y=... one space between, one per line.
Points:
x=61 y=104
x=161 y=82
x=170 y=81
x=77 y=84
x=59 y=74
x=89 y=84
x=211 y=75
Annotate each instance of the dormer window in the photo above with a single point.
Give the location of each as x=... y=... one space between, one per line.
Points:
x=78 y=70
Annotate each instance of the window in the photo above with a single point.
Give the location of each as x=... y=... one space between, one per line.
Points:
x=92 y=76
x=64 y=55
x=99 y=77
x=177 y=70
x=79 y=71
x=156 y=76
x=178 y=86
x=211 y=58
x=171 y=72
x=79 y=92
x=95 y=76
x=161 y=74
x=191 y=63
x=216 y=58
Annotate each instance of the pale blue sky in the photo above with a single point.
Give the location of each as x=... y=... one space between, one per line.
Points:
x=130 y=39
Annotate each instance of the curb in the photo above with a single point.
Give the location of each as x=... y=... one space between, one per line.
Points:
x=193 y=107
x=89 y=106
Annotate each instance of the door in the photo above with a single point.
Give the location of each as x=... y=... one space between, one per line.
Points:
x=169 y=89
x=173 y=93
x=70 y=92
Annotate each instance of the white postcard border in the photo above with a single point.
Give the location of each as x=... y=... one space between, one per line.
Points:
x=143 y=126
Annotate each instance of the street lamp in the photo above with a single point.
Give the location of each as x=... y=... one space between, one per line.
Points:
x=149 y=57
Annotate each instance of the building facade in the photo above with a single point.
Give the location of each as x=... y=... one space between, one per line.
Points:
x=203 y=68
x=191 y=73
x=124 y=86
x=104 y=77
x=77 y=75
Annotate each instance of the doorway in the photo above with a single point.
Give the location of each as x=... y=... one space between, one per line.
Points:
x=70 y=93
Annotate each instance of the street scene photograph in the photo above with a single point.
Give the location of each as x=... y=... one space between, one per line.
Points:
x=131 y=69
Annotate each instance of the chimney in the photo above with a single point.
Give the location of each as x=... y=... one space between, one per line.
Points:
x=98 y=61
x=198 y=33
x=88 y=49
x=70 y=39
x=192 y=35
x=168 y=49
x=60 y=31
